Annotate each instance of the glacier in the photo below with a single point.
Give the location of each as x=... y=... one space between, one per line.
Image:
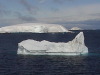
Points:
x=74 y=47
x=34 y=28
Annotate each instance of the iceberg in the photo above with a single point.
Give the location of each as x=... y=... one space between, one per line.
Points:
x=34 y=28
x=75 y=28
x=74 y=47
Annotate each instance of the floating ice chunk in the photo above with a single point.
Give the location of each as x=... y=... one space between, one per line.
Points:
x=75 y=28
x=74 y=47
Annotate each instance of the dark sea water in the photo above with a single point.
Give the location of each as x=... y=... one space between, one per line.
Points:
x=13 y=64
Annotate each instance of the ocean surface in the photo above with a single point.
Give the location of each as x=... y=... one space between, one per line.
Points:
x=13 y=64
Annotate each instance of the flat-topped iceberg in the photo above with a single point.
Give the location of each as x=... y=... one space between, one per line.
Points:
x=34 y=28
x=75 y=28
x=74 y=47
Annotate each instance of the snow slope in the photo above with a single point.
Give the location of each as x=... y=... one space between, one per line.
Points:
x=33 y=27
x=74 y=47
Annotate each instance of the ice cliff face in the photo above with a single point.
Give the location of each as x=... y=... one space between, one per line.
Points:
x=33 y=27
x=74 y=47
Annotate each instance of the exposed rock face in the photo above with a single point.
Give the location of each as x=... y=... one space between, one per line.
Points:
x=33 y=27
x=75 y=28
x=74 y=47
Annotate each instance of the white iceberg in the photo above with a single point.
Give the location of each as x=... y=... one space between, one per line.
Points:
x=74 y=47
x=75 y=28
x=34 y=28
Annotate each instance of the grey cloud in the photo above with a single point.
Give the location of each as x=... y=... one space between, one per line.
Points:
x=25 y=17
x=17 y=19
x=96 y=14
x=4 y=11
x=1 y=6
x=32 y=9
x=91 y=22
x=61 y=1
x=42 y=1
x=87 y=24
x=56 y=1
x=55 y=9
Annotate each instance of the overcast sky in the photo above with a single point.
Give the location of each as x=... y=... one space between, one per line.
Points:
x=81 y=13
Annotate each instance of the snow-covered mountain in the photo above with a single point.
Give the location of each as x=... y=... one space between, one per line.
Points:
x=33 y=27
x=74 y=47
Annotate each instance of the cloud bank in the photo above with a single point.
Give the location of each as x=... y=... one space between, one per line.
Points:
x=81 y=15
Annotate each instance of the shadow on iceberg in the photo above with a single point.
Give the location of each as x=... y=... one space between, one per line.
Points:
x=74 y=47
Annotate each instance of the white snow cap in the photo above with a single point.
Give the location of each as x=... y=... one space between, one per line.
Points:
x=74 y=47
x=33 y=27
